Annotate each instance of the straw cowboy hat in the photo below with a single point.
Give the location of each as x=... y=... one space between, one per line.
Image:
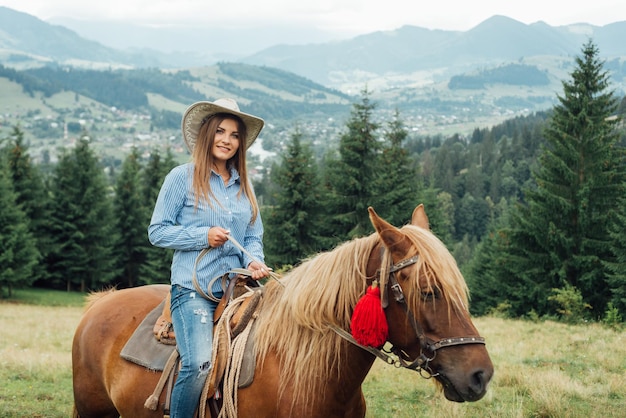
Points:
x=197 y=112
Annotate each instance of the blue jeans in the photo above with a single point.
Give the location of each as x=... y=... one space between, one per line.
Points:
x=192 y=317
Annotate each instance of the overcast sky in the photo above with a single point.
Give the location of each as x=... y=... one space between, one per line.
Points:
x=338 y=16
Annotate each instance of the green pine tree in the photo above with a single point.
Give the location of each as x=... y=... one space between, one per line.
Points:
x=471 y=217
x=353 y=175
x=156 y=268
x=82 y=223
x=18 y=251
x=560 y=237
x=154 y=173
x=31 y=194
x=292 y=225
x=489 y=264
x=617 y=267
x=440 y=209
x=397 y=186
x=447 y=163
x=130 y=213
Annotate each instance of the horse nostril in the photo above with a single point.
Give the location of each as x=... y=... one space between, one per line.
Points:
x=478 y=382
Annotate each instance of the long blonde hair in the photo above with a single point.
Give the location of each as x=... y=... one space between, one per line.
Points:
x=203 y=161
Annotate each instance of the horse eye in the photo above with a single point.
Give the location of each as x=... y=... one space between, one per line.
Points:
x=431 y=294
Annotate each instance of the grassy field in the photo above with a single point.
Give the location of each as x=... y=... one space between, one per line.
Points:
x=542 y=369
x=35 y=360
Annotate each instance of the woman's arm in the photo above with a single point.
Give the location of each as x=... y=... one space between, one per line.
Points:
x=166 y=229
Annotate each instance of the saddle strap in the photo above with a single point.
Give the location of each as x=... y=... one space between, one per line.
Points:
x=224 y=300
x=153 y=400
x=170 y=386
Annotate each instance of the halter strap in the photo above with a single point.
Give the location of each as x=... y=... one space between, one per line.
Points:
x=404 y=263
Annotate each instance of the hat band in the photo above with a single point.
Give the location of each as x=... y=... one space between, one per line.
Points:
x=205 y=119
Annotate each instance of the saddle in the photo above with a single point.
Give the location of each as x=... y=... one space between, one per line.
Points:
x=163 y=329
x=227 y=328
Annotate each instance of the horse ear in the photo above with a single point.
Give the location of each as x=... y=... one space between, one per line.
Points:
x=388 y=233
x=419 y=217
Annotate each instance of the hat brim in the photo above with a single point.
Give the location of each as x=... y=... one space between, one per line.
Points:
x=195 y=113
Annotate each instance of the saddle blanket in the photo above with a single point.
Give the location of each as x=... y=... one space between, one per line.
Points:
x=143 y=348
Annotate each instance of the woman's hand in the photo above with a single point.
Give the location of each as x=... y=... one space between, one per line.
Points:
x=258 y=270
x=217 y=236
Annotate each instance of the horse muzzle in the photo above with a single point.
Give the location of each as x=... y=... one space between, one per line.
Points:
x=471 y=388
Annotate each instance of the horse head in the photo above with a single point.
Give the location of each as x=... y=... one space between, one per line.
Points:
x=426 y=305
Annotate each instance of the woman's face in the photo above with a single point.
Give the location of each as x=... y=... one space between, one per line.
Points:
x=226 y=142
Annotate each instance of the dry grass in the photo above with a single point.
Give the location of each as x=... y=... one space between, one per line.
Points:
x=35 y=360
x=543 y=369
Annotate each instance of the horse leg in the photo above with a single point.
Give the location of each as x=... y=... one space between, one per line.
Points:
x=126 y=394
x=90 y=395
x=129 y=385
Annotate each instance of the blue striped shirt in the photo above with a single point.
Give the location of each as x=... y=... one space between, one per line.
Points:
x=177 y=225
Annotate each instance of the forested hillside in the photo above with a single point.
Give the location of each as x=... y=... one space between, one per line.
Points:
x=129 y=89
x=513 y=74
x=531 y=208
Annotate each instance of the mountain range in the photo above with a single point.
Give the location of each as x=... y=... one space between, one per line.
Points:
x=407 y=50
x=411 y=49
x=441 y=81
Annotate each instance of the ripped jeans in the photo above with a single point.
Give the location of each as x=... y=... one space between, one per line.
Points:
x=192 y=317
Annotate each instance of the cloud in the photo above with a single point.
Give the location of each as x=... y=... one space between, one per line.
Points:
x=356 y=16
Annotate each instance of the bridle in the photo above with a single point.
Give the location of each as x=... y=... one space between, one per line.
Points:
x=428 y=347
x=426 y=344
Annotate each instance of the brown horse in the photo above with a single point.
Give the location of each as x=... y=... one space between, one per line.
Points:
x=307 y=364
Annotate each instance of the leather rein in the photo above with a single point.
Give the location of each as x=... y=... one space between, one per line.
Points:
x=427 y=345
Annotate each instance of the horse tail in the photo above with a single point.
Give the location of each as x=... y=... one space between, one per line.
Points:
x=75 y=412
x=93 y=297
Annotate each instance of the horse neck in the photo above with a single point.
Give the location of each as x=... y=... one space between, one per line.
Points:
x=358 y=364
x=343 y=385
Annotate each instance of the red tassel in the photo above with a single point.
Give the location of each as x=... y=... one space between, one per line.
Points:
x=369 y=324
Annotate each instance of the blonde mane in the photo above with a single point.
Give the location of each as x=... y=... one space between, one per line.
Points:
x=437 y=269
x=296 y=318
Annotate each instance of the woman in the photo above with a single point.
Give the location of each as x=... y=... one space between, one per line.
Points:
x=200 y=205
